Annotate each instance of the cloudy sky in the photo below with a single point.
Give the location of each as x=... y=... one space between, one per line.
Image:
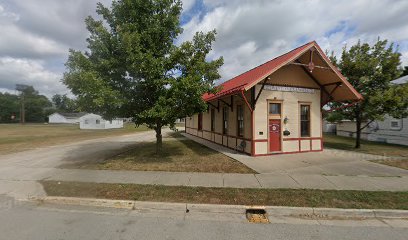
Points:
x=36 y=34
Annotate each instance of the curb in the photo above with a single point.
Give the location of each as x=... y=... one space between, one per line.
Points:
x=92 y=202
x=305 y=212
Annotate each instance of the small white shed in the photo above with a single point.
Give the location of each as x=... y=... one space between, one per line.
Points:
x=94 y=121
x=69 y=118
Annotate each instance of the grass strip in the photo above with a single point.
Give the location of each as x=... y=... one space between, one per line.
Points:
x=377 y=148
x=240 y=196
x=399 y=163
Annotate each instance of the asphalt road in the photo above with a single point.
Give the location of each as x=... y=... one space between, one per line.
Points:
x=27 y=221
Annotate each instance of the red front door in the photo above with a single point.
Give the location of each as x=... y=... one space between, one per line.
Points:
x=274 y=135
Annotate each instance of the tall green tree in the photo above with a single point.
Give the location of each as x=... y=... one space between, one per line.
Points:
x=370 y=69
x=9 y=108
x=134 y=68
x=63 y=103
x=36 y=105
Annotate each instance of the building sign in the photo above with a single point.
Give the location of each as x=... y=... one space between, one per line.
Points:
x=289 y=89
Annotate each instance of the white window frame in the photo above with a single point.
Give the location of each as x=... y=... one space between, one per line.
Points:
x=398 y=121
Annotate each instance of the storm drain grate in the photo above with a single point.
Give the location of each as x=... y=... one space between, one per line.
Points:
x=257 y=216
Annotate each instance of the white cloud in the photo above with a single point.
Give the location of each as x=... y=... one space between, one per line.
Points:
x=16 y=42
x=188 y=4
x=35 y=36
x=252 y=32
x=31 y=72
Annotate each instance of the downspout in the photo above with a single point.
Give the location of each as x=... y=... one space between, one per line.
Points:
x=246 y=101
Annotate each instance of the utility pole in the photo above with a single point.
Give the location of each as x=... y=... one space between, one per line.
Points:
x=21 y=88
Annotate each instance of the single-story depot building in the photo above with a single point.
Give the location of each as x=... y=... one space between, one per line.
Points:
x=275 y=107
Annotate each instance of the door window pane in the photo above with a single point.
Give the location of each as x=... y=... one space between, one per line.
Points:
x=275 y=108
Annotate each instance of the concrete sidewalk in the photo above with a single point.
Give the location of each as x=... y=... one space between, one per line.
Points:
x=276 y=180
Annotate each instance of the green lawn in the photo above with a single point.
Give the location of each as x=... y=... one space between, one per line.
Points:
x=16 y=137
x=346 y=143
x=179 y=154
x=240 y=196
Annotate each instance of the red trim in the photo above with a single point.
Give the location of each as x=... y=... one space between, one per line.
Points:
x=260 y=140
x=302 y=138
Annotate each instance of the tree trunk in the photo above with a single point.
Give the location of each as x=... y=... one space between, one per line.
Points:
x=358 y=130
x=159 y=139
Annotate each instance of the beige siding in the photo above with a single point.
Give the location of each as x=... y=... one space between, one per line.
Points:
x=290 y=146
x=261 y=147
x=305 y=145
x=316 y=145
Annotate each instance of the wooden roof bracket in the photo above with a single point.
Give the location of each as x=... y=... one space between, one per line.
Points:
x=333 y=83
x=253 y=98
x=228 y=104
x=216 y=107
x=330 y=97
x=260 y=91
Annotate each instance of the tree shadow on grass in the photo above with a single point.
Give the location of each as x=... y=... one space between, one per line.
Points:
x=92 y=153
x=145 y=153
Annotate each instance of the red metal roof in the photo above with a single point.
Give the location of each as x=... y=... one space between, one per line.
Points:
x=240 y=82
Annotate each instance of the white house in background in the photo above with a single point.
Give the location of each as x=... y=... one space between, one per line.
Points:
x=391 y=130
x=180 y=120
x=70 y=118
x=94 y=121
